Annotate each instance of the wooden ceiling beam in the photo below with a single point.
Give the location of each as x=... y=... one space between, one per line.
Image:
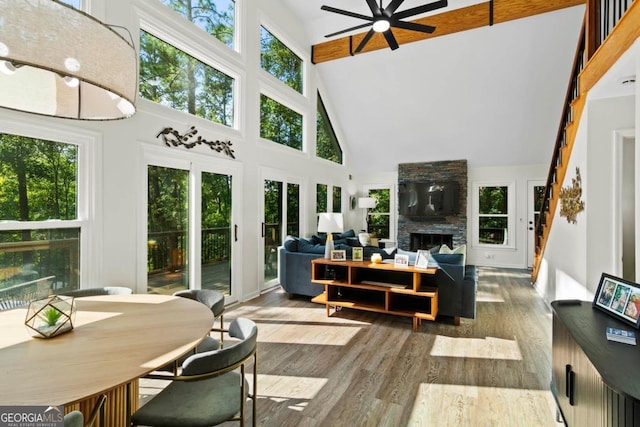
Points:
x=454 y=21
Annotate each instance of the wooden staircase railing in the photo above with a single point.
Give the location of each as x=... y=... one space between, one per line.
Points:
x=597 y=51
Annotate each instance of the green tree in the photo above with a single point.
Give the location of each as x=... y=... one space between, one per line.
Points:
x=214 y=16
x=327 y=145
x=280 y=124
x=280 y=61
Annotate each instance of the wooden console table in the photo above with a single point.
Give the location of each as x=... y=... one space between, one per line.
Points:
x=595 y=381
x=381 y=288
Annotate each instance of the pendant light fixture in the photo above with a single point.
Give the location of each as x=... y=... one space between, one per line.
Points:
x=58 y=61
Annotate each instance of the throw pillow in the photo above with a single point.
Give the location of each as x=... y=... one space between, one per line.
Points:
x=308 y=247
x=365 y=239
x=347 y=234
x=291 y=243
x=462 y=249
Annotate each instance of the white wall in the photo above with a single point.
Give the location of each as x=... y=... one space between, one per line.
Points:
x=577 y=254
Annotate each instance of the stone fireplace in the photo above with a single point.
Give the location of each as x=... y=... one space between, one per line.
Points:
x=418 y=232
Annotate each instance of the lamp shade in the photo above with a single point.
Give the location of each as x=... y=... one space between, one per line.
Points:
x=367 y=202
x=58 y=61
x=330 y=223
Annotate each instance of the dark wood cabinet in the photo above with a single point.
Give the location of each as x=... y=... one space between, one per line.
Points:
x=596 y=382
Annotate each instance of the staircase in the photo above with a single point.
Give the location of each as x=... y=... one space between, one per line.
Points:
x=609 y=29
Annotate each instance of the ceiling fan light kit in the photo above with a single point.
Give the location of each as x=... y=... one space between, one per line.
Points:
x=385 y=18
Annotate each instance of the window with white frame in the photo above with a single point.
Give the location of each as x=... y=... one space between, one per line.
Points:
x=43 y=209
x=321 y=198
x=327 y=145
x=280 y=123
x=494 y=222
x=337 y=199
x=280 y=61
x=170 y=77
x=379 y=218
x=216 y=17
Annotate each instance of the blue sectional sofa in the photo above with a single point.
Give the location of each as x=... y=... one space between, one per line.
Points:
x=457 y=283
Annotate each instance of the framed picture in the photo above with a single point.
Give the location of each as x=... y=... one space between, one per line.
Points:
x=339 y=255
x=422 y=259
x=401 y=261
x=357 y=254
x=619 y=298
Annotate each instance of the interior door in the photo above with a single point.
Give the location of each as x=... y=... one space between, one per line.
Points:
x=535 y=194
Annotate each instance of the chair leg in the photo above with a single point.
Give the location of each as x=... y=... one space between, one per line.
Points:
x=242 y=398
x=255 y=389
x=221 y=330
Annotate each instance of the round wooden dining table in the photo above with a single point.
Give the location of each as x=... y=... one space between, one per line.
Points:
x=116 y=340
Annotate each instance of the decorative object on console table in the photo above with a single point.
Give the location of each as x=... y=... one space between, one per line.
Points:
x=357 y=254
x=338 y=255
x=619 y=298
x=367 y=203
x=51 y=316
x=330 y=223
x=621 y=335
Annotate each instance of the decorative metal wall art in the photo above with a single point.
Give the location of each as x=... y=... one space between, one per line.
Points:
x=172 y=137
x=570 y=199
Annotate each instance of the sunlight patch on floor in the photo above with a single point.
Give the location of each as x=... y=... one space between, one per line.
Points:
x=306 y=334
x=312 y=313
x=460 y=405
x=287 y=387
x=487 y=348
x=483 y=296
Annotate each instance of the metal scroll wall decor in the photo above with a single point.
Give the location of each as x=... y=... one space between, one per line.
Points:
x=172 y=137
x=570 y=199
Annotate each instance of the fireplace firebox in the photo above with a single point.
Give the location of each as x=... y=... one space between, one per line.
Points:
x=429 y=240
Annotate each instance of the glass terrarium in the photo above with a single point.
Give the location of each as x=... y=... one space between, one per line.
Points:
x=51 y=316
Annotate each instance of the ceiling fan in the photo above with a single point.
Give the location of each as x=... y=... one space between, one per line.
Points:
x=383 y=19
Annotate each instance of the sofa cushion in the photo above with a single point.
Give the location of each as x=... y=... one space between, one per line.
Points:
x=456 y=259
x=308 y=247
x=291 y=243
x=347 y=234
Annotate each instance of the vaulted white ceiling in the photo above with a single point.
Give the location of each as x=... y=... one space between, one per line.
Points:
x=492 y=95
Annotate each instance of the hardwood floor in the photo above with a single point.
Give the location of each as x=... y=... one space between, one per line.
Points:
x=366 y=369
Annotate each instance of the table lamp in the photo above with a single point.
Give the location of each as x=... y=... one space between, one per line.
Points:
x=330 y=223
x=367 y=203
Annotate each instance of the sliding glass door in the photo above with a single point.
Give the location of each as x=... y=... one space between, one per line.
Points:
x=281 y=208
x=190 y=227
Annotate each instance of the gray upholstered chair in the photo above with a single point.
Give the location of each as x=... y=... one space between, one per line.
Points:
x=212 y=299
x=210 y=389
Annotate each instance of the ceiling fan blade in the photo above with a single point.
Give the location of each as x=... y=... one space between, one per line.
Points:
x=349 y=29
x=413 y=26
x=391 y=40
x=346 y=12
x=375 y=9
x=420 y=9
x=392 y=7
x=365 y=40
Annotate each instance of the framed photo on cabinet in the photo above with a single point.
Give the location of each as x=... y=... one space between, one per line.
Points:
x=357 y=254
x=620 y=298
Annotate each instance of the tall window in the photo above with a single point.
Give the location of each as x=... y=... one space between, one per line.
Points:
x=321 y=198
x=494 y=215
x=280 y=124
x=380 y=217
x=216 y=17
x=172 y=78
x=40 y=242
x=327 y=145
x=280 y=61
x=337 y=199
